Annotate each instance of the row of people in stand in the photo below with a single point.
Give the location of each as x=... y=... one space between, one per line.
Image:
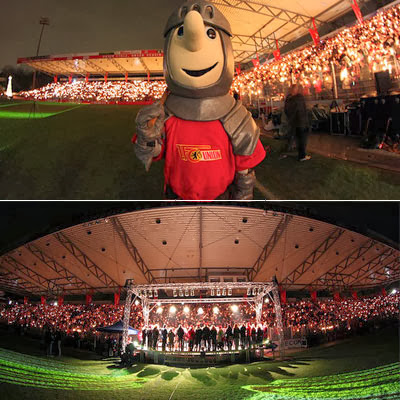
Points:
x=203 y=338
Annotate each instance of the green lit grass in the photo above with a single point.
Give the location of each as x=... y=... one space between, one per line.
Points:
x=360 y=368
x=86 y=153
x=30 y=111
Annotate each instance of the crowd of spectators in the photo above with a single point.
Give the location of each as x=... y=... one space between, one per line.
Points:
x=357 y=53
x=300 y=318
x=99 y=92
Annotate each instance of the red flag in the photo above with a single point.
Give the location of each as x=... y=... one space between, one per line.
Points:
x=26 y=300
x=256 y=62
x=70 y=79
x=313 y=295
x=357 y=12
x=87 y=78
x=315 y=36
x=116 y=299
x=336 y=296
x=277 y=52
x=126 y=77
x=55 y=78
x=384 y=293
x=238 y=69
x=42 y=300
x=283 y=296
x=88 y=299
x=106 y=77
x=60 y=300
x=354 y=295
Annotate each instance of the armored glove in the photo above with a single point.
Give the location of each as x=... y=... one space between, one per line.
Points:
x=244 y=185
x=149 y=126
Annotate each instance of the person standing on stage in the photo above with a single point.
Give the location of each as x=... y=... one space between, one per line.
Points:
x=164 y=335
x=220 y=338
x=180 y=333
x=236 y=336
x=206 y=337
x=156 y=333
x=243 y=336
x=253 y=336
x=171 y=339
x=213 y=335
x=248 y=336
x=260 y=334
x=149 y=338
x=229 y=334
x=296 y=113
x=198 y=336
x=191 y=335
x=144 y=336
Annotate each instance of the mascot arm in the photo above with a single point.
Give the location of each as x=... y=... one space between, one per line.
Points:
x=149 y=127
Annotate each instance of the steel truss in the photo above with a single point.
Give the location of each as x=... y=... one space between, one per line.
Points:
x=313 y=257
x=84 y=260
x=258 y=291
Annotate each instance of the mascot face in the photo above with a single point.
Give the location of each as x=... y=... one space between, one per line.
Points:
x=196 y=56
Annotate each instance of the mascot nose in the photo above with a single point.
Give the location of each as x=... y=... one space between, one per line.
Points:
x=194 y=31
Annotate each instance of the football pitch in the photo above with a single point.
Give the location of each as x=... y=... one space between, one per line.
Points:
x=70 y=151
x=359 y=368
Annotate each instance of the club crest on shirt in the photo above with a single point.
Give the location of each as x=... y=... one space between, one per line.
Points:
x=197 y=153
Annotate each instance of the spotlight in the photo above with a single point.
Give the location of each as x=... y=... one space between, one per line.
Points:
x=56 y=303
x=186 y=292
x=235 y=308
x=218 y=292
x=136 y=302
x=192 y=292
x=159 y=303
x=175 y=293
x=9 y=301
x=186 y=309
x=150 y=292
x=172 y=310
x=394 y=291
x=180 y=293
x=254 y=291
x=266 y=300
x=223 y=292
x=212 y=293
x=200 y=311
x=215 y=310
x=248 y=291
x=160 y=310
x=155 y=293
x=229 y=292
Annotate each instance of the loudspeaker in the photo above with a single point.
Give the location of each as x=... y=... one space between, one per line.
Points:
x=339 y=123
x=383 y=82
x=354 y=120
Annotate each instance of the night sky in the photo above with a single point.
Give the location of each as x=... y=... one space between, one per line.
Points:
x=25 y=221
x=80 y=26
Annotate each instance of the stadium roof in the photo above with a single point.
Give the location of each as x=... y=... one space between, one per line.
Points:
x=198 y=243
x=256 y=25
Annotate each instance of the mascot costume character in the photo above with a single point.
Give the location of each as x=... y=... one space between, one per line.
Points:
x=209 y=140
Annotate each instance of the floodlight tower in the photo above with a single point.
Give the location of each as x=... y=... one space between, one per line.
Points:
x=43 y=21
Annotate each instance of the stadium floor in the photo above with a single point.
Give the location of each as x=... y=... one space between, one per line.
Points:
x=364 y=367
x=86 y=153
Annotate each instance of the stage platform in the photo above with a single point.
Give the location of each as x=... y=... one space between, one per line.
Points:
x=207 y=359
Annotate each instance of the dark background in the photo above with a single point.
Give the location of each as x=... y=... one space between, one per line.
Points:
x=25 y=221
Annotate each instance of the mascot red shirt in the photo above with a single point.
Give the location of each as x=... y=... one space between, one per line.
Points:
x=208 y=139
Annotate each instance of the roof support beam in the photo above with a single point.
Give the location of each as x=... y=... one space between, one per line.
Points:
x=57 y=267
x=11 y=264
x=9 y=280
x=269 y=247
x=343 y=265
x=84 y=260
x=132 y=250
x=313 y=257
x=95 y=67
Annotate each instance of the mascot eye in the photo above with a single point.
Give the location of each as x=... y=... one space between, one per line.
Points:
x=211 y=33
x=180 y=31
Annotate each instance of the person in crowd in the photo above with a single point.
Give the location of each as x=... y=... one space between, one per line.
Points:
x=58 y=338
x=180 y=333
x=229 y=335
x=220 y=338
x=260 y=334
x=164 y=335
x=150 y=338
x=171 y=340
x=213 y=336
x=248 y=336
x=47 y=341
x=206 y=337
x=155 y=337
x=253 y=336
x=296 y=113
x=243 y=336
x=191 y=336
x=198 y=337
x=236 y=336
x=144 y=336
